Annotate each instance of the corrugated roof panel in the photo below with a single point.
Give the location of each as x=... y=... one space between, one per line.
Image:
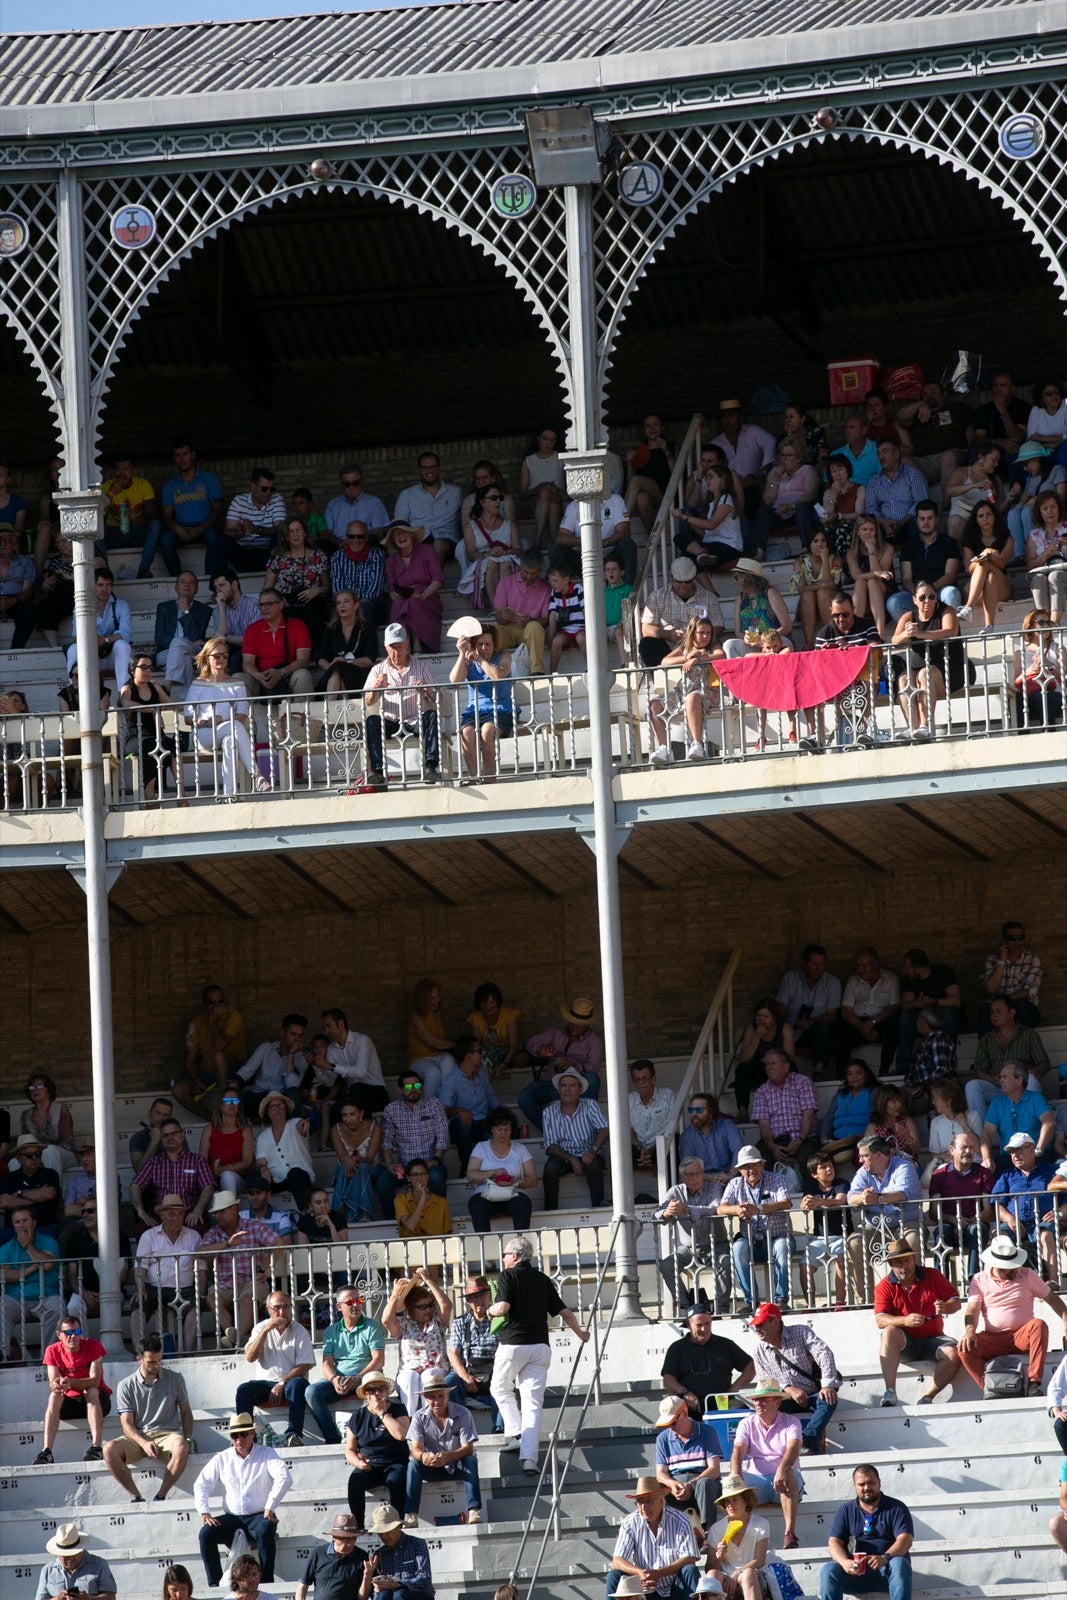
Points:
x=119 y=64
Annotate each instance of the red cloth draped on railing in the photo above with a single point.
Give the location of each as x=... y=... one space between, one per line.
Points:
x=793 y=681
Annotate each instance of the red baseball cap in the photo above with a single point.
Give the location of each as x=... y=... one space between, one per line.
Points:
x=764 y=1313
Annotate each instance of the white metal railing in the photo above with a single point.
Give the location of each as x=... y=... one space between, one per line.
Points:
x=310 y=745
x=706 y=1072
x=660 y=551
x=550 y=1465
x=823 y=1268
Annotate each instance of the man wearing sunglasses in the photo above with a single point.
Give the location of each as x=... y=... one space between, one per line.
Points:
x=414 y=1128
x=76 y=1389
x=353 y=504
x=1015 y=973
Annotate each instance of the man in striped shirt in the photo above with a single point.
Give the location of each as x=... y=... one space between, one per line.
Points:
x=575 y=1132
x=656 y=1544
x=403 y=684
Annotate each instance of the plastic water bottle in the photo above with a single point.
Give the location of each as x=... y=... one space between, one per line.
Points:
x=124 y=518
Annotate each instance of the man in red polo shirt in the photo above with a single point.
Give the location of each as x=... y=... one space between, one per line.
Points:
x=276 y=650
x=76 y=1388
x=910 y=1306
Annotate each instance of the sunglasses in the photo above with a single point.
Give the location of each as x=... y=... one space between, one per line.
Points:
x=416 y=1083
x=69 y=1333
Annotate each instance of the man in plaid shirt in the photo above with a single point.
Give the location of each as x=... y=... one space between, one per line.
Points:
x=413 y=1127
x=785 y=1107
x=935 y=1054
x=471 y=1349
x=1015 y=972
x=241 y=1246
x=174 y=1169
x=805 y=1367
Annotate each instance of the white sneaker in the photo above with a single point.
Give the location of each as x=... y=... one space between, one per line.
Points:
x=963 y=613
x=695 y=751
x=530 y=1467
x=473 y=1517
x=660 y=756
x=889 y=1398
x=510 y=1441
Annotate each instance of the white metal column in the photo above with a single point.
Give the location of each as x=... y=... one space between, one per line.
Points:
x=81 y=518
x=585 y=467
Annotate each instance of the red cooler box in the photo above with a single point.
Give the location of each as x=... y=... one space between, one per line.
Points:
x=850 y=380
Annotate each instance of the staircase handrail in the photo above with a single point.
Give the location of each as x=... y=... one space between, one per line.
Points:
x=660 y=553
x=712 y=1051
x=550 y=1463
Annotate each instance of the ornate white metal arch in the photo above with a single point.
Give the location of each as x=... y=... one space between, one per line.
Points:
x=698 y=161
x=194 y=207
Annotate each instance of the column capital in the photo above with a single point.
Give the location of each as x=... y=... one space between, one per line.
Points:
x=81 y=512
x=586 y=472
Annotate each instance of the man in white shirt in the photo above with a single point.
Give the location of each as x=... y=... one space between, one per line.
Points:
x=164 y=1272
x=812 y=1000
x=870 y=1011
x=253 y=1481
x=355 y=1061
x=614 y=531
x=651 y=1112
x=280 y=1355
x=403 y=684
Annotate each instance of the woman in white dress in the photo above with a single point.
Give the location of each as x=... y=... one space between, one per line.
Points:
x=493 y=547
x=217 y=707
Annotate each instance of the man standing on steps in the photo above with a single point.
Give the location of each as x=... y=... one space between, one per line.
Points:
x=527 y=1298
x=156 y=1419
x=877 y=1530
x=657 y=1545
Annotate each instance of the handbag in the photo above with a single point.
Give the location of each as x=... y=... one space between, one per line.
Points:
x=498 y=1191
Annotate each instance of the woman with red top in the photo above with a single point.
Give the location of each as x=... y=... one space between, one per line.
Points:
x=414 y=580
x=226 y=1143
x=843 y=502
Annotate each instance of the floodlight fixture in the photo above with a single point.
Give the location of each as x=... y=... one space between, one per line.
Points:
x=566 y=146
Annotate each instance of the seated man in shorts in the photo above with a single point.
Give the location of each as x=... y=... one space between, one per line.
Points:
x=910 y=1306
x=156 y=1419
x=76 y=1388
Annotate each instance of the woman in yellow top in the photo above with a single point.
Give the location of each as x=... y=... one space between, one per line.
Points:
x=426 y=1028
x=420 y=1214
x=496 y=1028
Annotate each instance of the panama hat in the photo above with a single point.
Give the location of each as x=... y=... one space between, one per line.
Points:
x=222 y=1202
x=1004 y=1252
x=646 y=1485
x=375 y=1380
x=241 y=1422
x=275 y=1094
x=747 y=564
x=581 y=1011
x=66 y=1541
x=572 y=1072
x=733 y=1485
x=170 y=1202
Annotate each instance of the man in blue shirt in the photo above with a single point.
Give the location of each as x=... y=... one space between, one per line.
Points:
x=688 y=1463
x=713 y=1137
x=1016 y=1109
x=191 y=503
x=862 y=452
x=401 y=1558
x=435 y=506
x=894 y=493
x=29 y=1270
x=353 y=504
x=885 y=1195
x=1028 y=1219
x=881 y=1532
x=468 y=1097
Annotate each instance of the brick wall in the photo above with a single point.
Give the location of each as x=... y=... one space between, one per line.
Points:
x=368 y=963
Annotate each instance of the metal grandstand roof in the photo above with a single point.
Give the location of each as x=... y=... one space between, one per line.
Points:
x=487 y=46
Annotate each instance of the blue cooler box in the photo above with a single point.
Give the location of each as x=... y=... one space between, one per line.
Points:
x=724 y=1425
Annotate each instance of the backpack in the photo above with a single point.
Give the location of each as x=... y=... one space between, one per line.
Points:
x=1005 y=1378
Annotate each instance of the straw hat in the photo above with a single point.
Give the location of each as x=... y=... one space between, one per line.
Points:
x=767 y=1389
x=747 y=564
x=375 y=1380
x=433 y=1378
x=581 y=1012
x=27 y=1141
x=646 y=1485
x=241 y=1422
x=1004 y=1252
x=171 y=1202
x=275 y=1094
x=735 y=1484
x=221 y=1202
x=66 y=1541
x=630 y=1587
x=400 y=526
x=898 y=1250
x=572 y=1072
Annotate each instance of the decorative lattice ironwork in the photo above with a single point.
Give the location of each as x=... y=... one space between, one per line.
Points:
x=705 y=145
x=191 y=207
x=961 y=131
x=29 y=283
